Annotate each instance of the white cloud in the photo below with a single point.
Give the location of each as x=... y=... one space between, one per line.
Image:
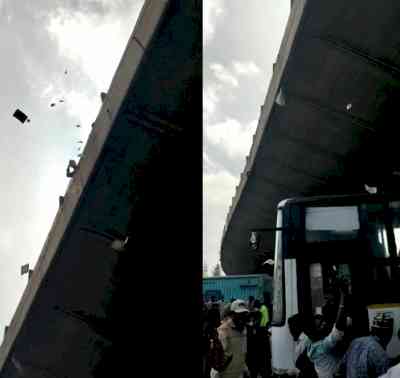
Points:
x=223 y=74
x=231 y=136
x=207 y=162
x=211 y=166
x=219 y=188
x=246 y=68
x=81 y=106
x=48 y=91
x=210 y=99
x=95 y=46
x=212 y=12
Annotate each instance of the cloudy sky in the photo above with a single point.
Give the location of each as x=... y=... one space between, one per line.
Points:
x=241 y=42
x=39 y=40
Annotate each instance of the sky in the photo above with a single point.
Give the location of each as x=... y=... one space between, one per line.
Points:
x=39 y=41
x=241 y=42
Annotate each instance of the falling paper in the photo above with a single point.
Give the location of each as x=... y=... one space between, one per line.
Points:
x=20 y=116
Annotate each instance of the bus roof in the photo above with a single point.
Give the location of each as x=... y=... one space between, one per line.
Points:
x=339 y=200
x=238 y=276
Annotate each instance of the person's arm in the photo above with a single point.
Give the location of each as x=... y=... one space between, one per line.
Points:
x=341 y=318
x=337 y=332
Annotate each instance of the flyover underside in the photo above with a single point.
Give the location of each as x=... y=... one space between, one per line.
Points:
x=67 y=328
x=337 y=129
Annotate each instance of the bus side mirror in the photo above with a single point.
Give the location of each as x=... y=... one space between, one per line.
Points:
x=254 y=241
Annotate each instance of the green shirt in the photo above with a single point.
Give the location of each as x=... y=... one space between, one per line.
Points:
x=264 y=316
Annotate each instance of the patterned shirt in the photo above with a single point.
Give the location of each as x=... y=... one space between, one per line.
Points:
x=365 y=358
x=322 y=354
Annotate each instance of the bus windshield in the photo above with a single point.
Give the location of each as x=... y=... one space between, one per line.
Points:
x=357 y=245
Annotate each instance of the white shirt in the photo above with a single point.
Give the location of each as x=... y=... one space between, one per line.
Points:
x=393 y=372
x=300 y=345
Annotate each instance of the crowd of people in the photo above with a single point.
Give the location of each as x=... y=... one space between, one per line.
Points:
x=327 y=345
x=236 y=338
x=327 y=348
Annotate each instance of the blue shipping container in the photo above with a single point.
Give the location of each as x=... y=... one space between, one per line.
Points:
x=238 y=287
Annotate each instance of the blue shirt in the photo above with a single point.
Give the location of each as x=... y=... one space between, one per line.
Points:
x=366 y=358
x=322 y=354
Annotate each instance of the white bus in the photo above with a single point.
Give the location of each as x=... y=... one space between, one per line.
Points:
x=321 y=240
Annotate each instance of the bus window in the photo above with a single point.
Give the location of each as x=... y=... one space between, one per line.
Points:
x=331 y=223
x=278 y=299
x=324 y=287
x=376 y=231
x=395 y=207
x=317 y=288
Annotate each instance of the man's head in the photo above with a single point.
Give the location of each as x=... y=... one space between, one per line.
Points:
x=251 y=299
x=296 y=326
x=254 y=318
x=382 y=328
x=239 y=313
x=213 y=298
x=227 y=313
x=257 y=304
x=316 y=328
x=214 y=317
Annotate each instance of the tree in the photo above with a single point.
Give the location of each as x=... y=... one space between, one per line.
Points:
x=217 y=271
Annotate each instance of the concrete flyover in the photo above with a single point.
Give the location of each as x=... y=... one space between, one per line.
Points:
x=328 y=124
x=50 y=335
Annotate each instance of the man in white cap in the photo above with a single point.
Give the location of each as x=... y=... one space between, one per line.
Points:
x=232 y=334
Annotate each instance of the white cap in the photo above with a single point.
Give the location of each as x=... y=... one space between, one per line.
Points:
x=239 y=306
